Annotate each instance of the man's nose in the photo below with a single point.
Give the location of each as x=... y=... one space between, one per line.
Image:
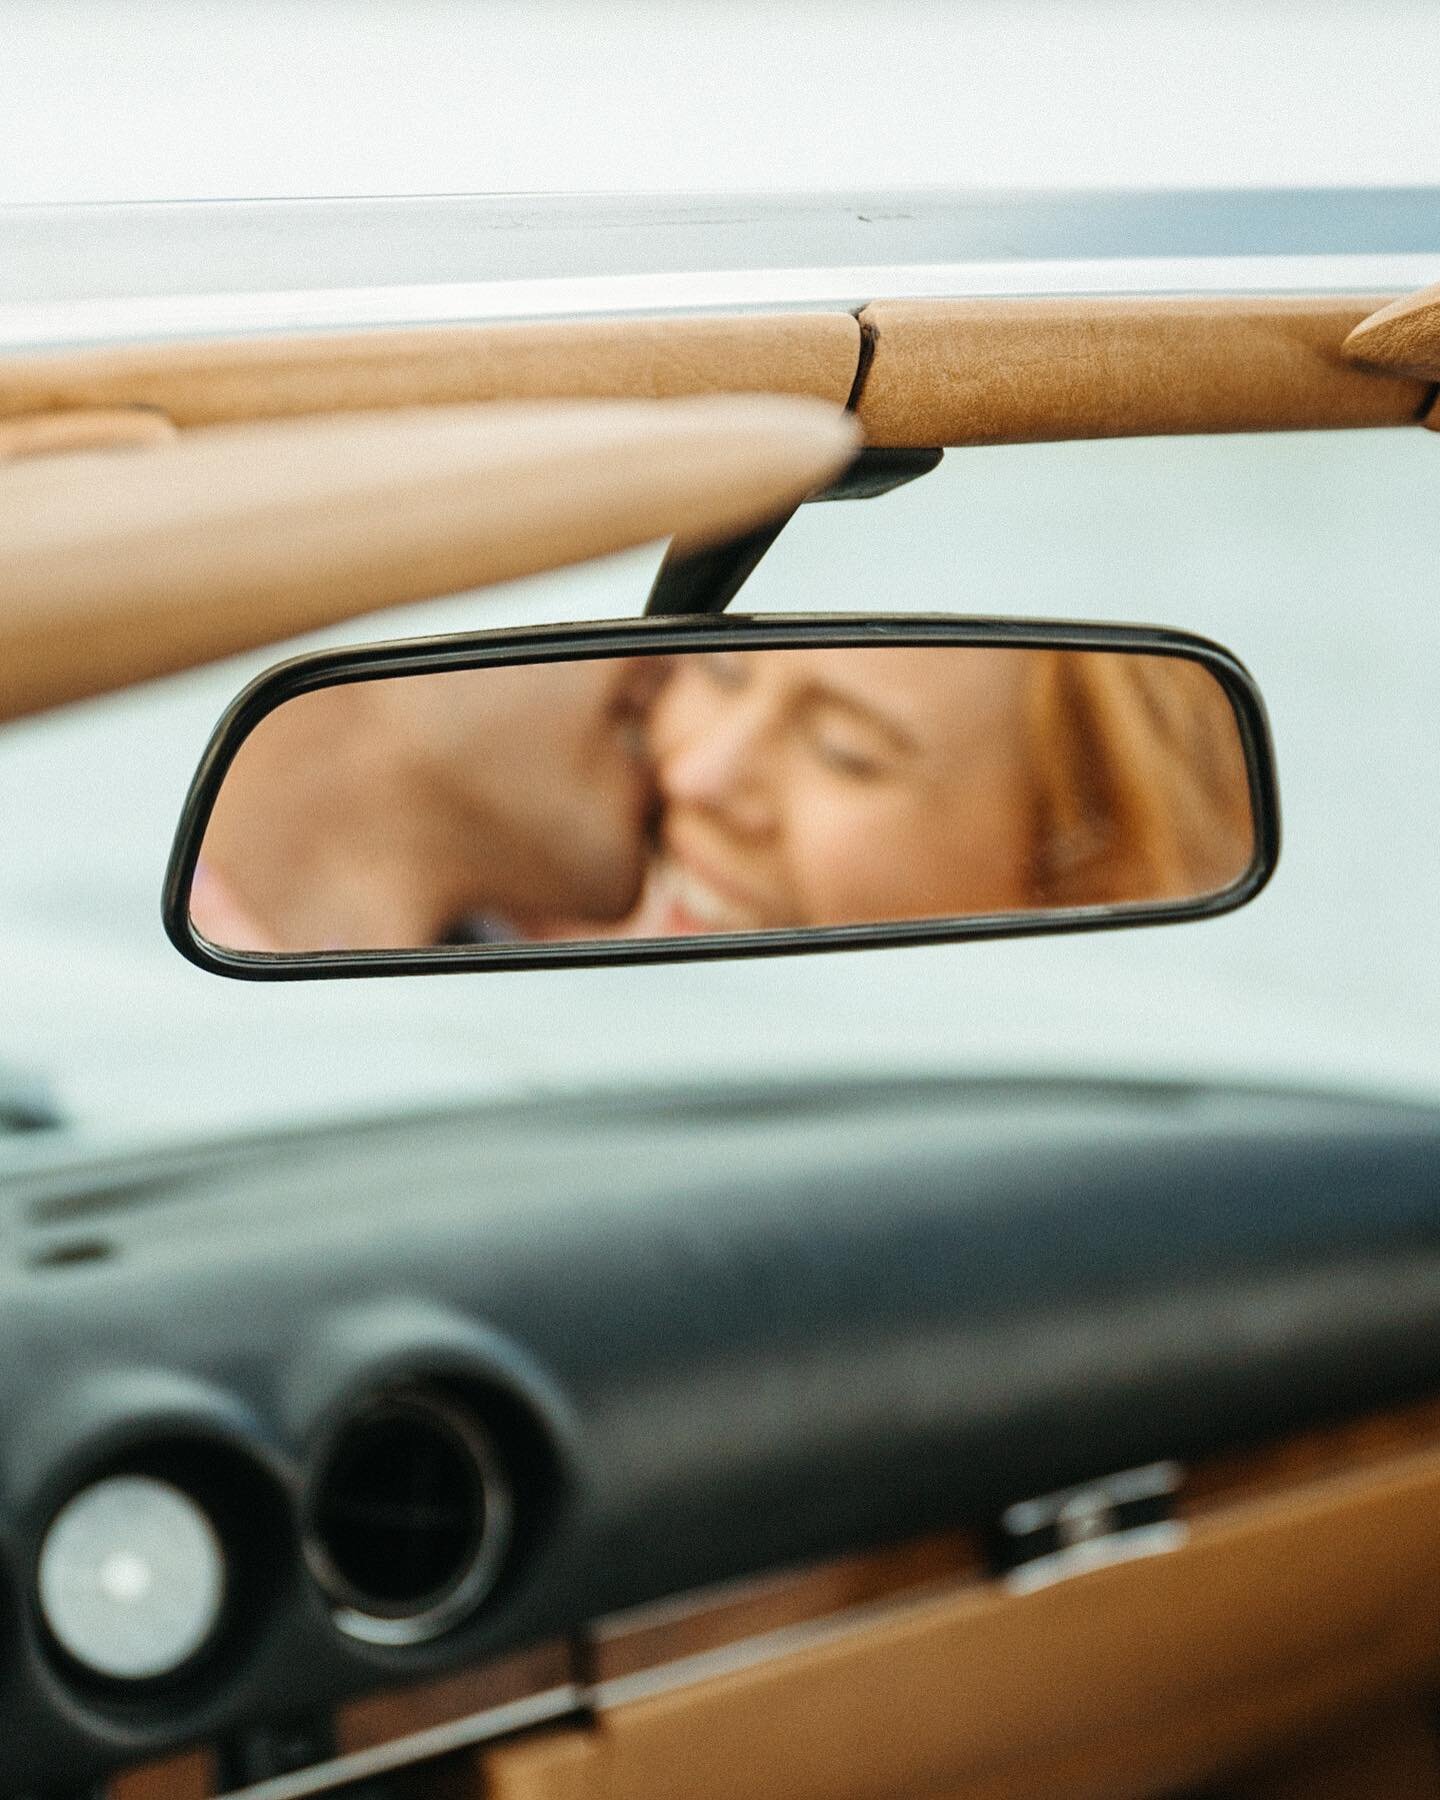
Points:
x=724 y=770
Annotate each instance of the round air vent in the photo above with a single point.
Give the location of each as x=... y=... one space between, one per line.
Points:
x=409 y=1517
x=131 y=1578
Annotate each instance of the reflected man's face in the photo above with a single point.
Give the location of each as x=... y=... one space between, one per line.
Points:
x=546 y=775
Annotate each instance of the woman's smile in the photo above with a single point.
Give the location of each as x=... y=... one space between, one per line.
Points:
x=691 y=895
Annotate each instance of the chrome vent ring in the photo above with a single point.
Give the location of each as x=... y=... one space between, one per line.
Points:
x=409 y=1517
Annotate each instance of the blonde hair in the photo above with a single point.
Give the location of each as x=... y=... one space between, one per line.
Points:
x=1140 y=785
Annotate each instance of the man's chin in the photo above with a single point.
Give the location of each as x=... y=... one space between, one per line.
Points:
x=586 y=908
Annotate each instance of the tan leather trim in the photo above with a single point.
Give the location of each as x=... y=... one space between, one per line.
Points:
x=398 y=1712
x=280 y=377
x=85 y=428
x=943 y=371
x=1023 y=371
x=1402 y=338
x=122 y=565
x=650 y=1637
x=188 y=1776
x=1275 y=1614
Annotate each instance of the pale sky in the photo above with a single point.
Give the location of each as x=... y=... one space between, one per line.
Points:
x=146 y=99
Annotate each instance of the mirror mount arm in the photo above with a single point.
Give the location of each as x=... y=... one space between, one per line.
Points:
x=706 y=581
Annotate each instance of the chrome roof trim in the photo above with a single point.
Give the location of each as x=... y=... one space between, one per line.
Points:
x=33 y=325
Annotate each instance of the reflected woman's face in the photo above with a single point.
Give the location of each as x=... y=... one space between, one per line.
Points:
x=823 y=787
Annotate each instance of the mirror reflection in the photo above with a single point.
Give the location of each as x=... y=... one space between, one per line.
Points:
x=725 y=791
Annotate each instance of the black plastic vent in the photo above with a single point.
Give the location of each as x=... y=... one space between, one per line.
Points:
x=409 y=1517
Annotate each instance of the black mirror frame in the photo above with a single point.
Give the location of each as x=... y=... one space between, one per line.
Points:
x=723 y=631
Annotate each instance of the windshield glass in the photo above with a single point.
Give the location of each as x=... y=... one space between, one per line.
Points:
x=1310 y=556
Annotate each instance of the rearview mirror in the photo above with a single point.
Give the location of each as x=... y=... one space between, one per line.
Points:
x=720 y=786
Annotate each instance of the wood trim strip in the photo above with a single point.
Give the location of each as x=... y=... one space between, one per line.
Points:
x=191 y=1775
x=224 y=380
x=1027 y=371
x=650 y=1637
x=1275 y=1613
x=398 y=1712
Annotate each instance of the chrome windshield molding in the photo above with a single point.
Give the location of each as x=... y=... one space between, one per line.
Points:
x=36 y=325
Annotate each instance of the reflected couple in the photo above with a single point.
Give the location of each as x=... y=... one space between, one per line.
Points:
x=732 y=790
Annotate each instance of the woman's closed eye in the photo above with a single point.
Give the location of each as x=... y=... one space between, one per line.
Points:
x=845 y=746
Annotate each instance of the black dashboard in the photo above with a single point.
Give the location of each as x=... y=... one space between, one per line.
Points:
x=380 y=1399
